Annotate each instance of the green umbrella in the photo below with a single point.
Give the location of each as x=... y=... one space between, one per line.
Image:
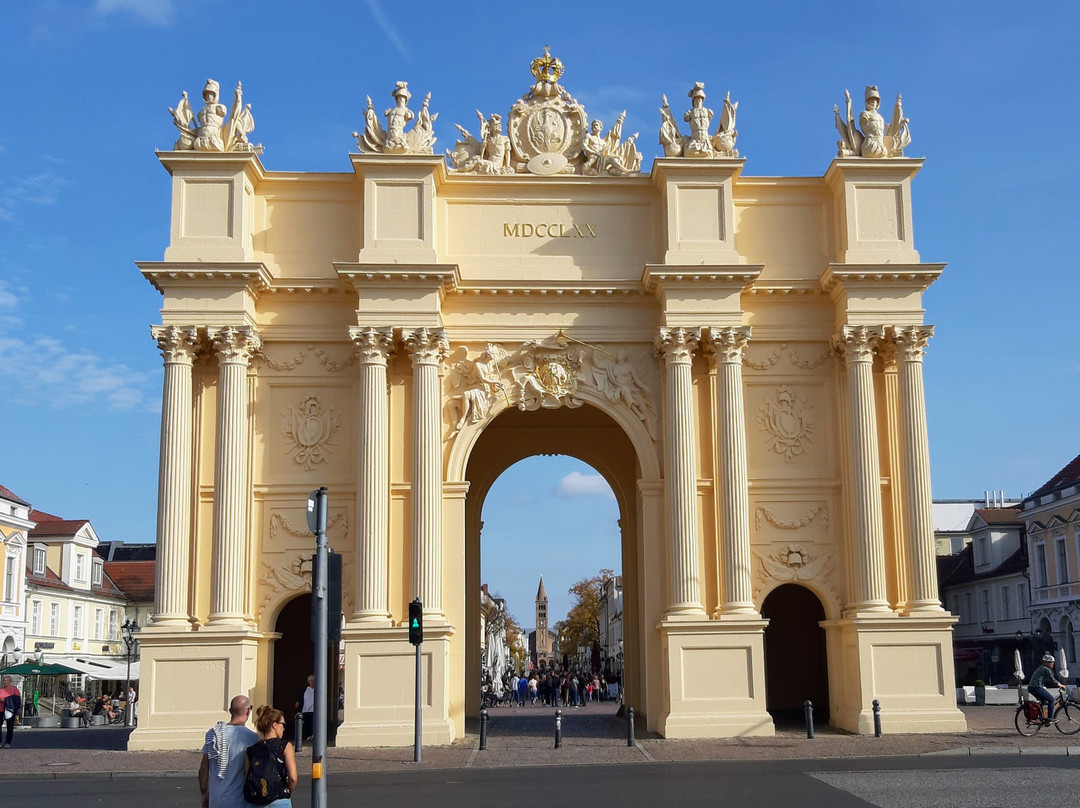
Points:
x=33 y=669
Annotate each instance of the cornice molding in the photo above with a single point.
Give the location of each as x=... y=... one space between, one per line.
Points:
x=850 y=277
x=658 y=277
x=252 y=276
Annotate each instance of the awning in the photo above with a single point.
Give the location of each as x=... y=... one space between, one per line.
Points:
x=118 y=673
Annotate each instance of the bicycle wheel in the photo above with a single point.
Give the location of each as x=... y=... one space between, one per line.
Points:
x=1068 y=719
x=1023 y=725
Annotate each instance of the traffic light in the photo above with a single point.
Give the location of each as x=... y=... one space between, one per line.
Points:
x=416 y=622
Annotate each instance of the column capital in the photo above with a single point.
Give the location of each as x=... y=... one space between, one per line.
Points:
x=910 y=341
x=726 y=344
x=857 y=342
x=235 y=345
x=426 y=346
x=373 y=345
x=677 y=345
x=177 y=344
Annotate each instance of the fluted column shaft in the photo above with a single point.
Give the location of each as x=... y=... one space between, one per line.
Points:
x=373 y=489
x=858 y=343
x=726 y=346
x=234 y=347
x=677 y=346
x=177 y=346
x=916 y=495
x=427 y=348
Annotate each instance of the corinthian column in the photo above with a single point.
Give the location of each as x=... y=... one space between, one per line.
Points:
x=916 y=496
x=427 y=348
x=373 y=487
x=726 y=347
x=677 y=346
x=177 y=346
x=234 y=347
x=857 y=344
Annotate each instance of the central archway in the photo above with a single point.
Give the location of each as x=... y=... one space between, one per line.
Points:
x=592 y=436
x=796 y=667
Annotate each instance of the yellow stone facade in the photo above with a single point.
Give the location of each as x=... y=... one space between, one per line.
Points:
x=740 y=357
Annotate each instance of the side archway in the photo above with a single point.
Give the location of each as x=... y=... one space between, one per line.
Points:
x=796 y=662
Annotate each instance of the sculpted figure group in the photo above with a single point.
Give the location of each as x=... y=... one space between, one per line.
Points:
x=208 y=131
x=545 y=132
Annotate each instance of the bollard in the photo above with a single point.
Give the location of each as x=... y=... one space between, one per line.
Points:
x=877 y=718
x=483 y=730
x=298 y=731
x=629 y=726
x=558 y=729
x=808 y=708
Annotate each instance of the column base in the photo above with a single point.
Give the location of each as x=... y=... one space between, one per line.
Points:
x=219 y=664
x=714 y=678
x=903 y=662
x=380 y=676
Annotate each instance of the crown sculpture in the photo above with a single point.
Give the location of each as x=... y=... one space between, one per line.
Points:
x=547 y=132
x=872 y=138
x=394 y=139
x=699 y=143
x=209 y=131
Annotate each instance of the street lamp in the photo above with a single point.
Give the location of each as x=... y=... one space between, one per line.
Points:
x=128 y=630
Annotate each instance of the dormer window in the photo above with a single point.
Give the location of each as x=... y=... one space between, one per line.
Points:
x=39 y=560
x=96 y=574
x=80 y=566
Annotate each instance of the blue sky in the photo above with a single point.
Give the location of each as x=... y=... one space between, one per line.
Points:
x=990 y=89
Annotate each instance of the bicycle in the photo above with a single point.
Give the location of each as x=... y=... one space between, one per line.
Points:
x=1066 y=716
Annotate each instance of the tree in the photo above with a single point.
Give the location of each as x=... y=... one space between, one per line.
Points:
x=582 y=624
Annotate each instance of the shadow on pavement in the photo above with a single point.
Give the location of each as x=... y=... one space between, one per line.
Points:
x=100 y=738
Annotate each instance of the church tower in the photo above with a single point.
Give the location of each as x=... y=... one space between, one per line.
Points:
x=541 y=641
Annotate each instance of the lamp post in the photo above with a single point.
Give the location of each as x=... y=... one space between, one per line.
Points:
x=128 y=630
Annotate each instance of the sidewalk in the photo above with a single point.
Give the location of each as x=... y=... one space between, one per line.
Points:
x=525 y=737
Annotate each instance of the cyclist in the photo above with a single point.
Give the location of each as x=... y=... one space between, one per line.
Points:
x=1040 y=679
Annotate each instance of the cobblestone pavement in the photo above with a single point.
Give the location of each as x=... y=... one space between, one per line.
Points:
x=524 y=736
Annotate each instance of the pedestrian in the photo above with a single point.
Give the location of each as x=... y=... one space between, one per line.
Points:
x=221 y=770
x=532 y=690
x=12 y=704
x=306 y=705
x=523 y=686
x=270 y=763
x=514 y=690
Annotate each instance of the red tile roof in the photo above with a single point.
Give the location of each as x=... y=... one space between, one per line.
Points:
x=1064 y=478
x=56 y=527
x=996 y=516
x=41 y=516
x=134 y=578
x=8 y=494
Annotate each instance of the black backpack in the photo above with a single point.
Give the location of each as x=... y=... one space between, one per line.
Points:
x=265 y=780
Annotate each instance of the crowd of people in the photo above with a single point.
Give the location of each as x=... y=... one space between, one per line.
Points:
x=556 y=688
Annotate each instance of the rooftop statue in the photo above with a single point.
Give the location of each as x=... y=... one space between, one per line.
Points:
x=546 y=134
x=874 y=139
x=394 y=139
x=699 y=143
x=208 y=130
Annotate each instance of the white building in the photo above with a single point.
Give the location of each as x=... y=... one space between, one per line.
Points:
x=611 y=626
x=15 y=523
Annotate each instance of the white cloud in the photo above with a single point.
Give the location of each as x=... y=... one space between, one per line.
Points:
x=388 y=29
x=155 y=12
x=38 y=189
x=7 y=297
x=42 y=371
x=575 y=484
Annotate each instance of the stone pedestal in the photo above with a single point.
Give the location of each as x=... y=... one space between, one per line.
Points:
x=715 y=679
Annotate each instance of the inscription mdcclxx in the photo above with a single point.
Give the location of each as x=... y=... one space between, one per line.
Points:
x=525 y=230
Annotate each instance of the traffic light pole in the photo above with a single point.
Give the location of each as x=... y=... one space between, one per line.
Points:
x=419 y=731
x=416 y=637
x=317 y=509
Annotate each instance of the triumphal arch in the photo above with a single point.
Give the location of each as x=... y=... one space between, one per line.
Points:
x=739 y=356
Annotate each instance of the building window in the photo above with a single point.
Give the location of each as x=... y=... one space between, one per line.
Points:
x=986 y=618
x=76 y=623
x=96 y=573
x=1005 y=603
x=1021 y=598
x=980 y=552
x=114 y=625
x=10 y=581
x=54 y=620
x=1062 y=561
x=99 y=623
x=1040 y=565
x=969 y=608
x=80 y=566
x=35 y=617
x=39 y=561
